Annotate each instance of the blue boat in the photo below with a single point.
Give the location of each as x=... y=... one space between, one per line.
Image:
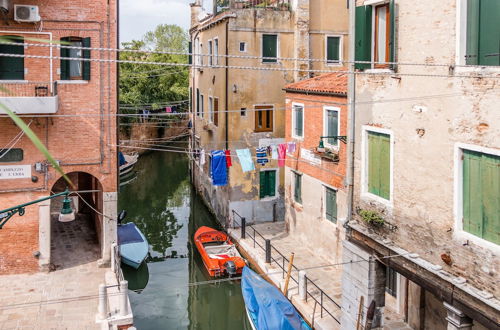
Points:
x=133 y=245
x=267 y=308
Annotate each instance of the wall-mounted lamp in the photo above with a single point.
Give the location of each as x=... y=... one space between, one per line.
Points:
x=321 y=146
x=67 y=213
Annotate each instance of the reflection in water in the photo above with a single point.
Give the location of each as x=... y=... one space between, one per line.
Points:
x=164 y=206
x=137 y=278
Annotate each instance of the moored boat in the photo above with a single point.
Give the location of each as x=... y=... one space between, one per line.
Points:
x=218 y=253
x=267 y=308
x=133 y=245
x=127 y=162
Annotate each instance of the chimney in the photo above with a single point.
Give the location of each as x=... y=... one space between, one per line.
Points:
x=196 y=9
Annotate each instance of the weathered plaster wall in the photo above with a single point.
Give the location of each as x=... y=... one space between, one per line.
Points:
x=454 y=110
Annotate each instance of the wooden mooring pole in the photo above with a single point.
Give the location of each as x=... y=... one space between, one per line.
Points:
x=360 y=311
x=288 y=275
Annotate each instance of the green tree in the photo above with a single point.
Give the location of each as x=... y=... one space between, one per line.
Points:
x=154 y=84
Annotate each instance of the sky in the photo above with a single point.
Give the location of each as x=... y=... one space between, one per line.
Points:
x=140 y=16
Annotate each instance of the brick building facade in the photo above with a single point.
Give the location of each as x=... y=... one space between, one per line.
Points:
x=71 y=106
x=315 y=195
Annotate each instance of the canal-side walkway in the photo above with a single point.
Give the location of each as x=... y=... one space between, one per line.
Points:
x=66 y=297
x=321 y=272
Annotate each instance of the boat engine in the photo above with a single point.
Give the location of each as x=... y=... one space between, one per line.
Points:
x=230 y=267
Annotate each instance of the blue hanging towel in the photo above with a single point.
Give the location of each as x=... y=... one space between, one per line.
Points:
x=245 y=160
x=219 y=168
x=261 y=154
x=121 y=159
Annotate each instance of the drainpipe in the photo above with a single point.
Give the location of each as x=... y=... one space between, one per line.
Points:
x=351 y=97
x=193 y=93
x=227 y=85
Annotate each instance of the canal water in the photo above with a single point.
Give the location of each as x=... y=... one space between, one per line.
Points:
x=168 y=292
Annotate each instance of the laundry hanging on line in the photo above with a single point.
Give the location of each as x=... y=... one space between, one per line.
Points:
x=228 y=158
x=274 y=152
x=261 y=154
x=245 y=160
x=291 y=147
x=281 y=154
x=202 y=157
x=218 y=168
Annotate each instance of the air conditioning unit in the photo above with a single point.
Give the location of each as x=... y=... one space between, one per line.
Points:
x=26 y=13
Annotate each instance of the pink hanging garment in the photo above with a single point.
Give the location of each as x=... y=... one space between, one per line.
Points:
x=281 y=154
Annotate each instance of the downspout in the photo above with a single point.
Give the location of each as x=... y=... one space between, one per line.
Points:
x=227 y=86
x=351 y=123
x=193 y=93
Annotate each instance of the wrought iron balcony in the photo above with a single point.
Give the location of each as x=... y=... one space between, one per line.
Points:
x=27 y=97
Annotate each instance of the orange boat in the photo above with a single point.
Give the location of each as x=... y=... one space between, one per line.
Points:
x=219 y=254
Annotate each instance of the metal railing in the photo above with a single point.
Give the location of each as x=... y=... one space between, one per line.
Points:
x=28 y=89
x=281 y=261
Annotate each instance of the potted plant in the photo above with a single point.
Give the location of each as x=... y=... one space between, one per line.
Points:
x=371 y=217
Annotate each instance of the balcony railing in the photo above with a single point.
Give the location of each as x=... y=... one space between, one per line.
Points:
x=29 y=97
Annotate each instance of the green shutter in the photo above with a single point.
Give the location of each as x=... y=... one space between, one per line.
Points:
x=298 y=121
x=472 y=42
x=332 y=126
x=363 y=36
x=64 y=63
x=190 y=50
x=490 y=172
x=489 y=32
x=332 y=49
x=331 y=205
x=263 y=188
x=392 y=40
x=271 y=183
x=481 y=195
x=86 y=54
x=297 y=188
x=12 y=68
x=379 y=164
x=269 y=47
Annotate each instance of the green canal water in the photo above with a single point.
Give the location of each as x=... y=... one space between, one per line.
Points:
x=166 y=292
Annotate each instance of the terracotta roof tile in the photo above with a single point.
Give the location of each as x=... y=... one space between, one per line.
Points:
x=335 y=83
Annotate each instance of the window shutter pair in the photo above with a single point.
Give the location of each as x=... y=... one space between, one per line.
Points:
x=298 y=188
x=332 y=49
x=298 y=121
x=483 y=34
x=481 y=195
x=269 y=47
x=363 y=36
x=65 y=63
x=12 y=68
x=267 y=183
x=332 y=126
x=331 y=205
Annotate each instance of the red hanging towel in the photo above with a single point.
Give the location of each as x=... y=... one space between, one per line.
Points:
x=228 y=158
x=281 y=154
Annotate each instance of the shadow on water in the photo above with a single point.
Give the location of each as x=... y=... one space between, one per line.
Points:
x=164 y=206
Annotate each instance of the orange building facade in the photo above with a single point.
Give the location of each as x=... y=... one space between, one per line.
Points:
x=71 y=105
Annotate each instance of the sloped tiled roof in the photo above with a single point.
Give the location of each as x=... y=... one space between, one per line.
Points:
x=329 y=83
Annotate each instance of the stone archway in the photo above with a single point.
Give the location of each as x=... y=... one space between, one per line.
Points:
x=77 y=242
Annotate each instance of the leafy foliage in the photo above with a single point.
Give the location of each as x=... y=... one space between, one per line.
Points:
x=371 y=217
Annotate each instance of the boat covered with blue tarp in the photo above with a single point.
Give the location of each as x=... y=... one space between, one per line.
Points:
x=133 y=245
x=267 y=307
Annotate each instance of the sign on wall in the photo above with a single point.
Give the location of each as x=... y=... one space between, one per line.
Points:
x=15 y=172
x=310 y=156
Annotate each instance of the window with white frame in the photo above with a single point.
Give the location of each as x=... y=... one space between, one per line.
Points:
x=481 y=32
x=333 y=48
x=211 y=108
x=480 y=202
x=210 y=53
x=331 y=126
x=297 y=120
x=216 y=51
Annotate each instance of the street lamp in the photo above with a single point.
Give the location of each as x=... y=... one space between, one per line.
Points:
x=67 y=213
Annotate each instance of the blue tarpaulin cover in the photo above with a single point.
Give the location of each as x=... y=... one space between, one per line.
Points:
x=128 y=234
x=267 y=306
x=121 y=159
x=219 y=168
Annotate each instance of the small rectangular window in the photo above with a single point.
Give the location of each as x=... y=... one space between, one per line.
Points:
x=243 y=112
x=298 y=121
x=331 y=126
x=75 y=69
x=297 y=188
x=333 y=50
x=12 y=68
x=243 y=47
x=382 y=35
x=216 y=51
x=11 y=156
x=211 y=109
x=202 y=103
x=269 y=48
x=263 y=118
x=331 y=205
x=198 y=100
x=391 y=282
x=210 y=54
x=216 y=111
